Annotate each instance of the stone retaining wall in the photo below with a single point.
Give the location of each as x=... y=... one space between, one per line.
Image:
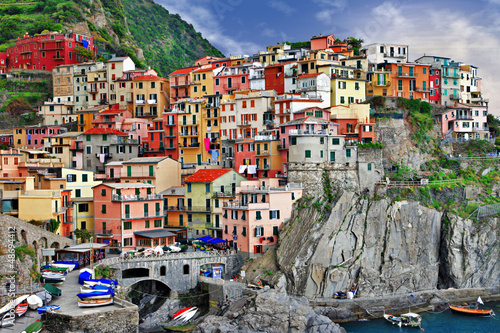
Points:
x=121 y=320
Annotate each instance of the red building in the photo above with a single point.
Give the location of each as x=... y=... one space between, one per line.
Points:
x=275 y=78
x=45 y=51
x=36 y=135
x=435 y=86
x=244 y=158
x=162 y=137
x=67 y=217
x=3 y=62
x=327 y=42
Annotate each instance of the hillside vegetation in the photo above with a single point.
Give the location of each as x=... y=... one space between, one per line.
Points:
x=121 y=27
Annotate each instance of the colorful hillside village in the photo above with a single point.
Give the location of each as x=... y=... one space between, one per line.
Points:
x=142 y=160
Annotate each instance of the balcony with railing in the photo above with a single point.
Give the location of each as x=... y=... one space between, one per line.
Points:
x=422 y=89
x=302 y=132
x=103 y=232
x=135 y=197
x=233 y=86
x=406 y=75
x=140 y=102
x=383 y=83
x=189 y=145
x=244 y=123
x=147 y=114
x=464 y=117
x=93 y=90
x=454 y=97
x=124 y=141
x=58 y=57
x=282 y=147
x=451 y=75
x=152 y=101
x=262 y=153
x=187 y=133
x=395 y=55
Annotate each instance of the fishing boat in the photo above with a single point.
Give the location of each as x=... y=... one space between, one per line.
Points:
x=472 y=310
x=8 y=320
x=178 y=313
x=34 y=302
x=96 y=294
x=21 y=308
x=409 y=319
x=48 y=308
x=44 y=296
x=53 y=280
x=188 y=315
x=55 y=269
x=12 y=304
x=53 y=290
x=35 y=327
x=95 y=302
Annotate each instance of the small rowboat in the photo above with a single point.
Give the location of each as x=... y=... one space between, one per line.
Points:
x=21 y=308
x=471 y=311
x=48 y=308
x=96 y=294
x=53 y=290
x=405 y=320
x=188 y=315
x=95 y=302
x=34 y=302
x=178 y=313
x=36 y=327
x=8 y=320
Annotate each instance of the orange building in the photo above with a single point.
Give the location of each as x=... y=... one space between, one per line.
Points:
x=409 y=80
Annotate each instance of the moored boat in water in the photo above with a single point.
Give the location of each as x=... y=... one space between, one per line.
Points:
x=409 y=319
x=471 y=310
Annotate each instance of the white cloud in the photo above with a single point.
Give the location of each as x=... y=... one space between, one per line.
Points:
x=471 y=38
x=328 y=9
x=205 y=18
x=281 y=7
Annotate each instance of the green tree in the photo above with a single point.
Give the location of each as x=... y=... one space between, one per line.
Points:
x=83 y=234
x=54 y=225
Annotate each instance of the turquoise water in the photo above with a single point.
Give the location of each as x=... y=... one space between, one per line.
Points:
x=443 y=322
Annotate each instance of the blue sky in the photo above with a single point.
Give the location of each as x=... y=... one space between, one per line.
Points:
x=467 y=31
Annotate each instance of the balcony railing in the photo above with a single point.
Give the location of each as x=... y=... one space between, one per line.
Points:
x=301 y=132
x=152 y=101
x=408 y=75
x=282 y=147
x=191 y=145
x=244 y=123
x=382 y=83
x=394 y=55
x=422 y=89
x=464 y=117
x=135 y=197
x=58 y=57
x=188 y=133
x=139 y=102
x=103 y=231
x=261 y=153
x=124 y=141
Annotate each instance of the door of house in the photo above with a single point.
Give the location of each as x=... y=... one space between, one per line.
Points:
x=198 y=159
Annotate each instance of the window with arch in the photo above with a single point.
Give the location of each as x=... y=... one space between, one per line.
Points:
x=163 y=270
x=185 y=269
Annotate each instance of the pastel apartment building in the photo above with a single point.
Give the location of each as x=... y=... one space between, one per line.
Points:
x=200 y=189
x=252 y=222
x=123 y=209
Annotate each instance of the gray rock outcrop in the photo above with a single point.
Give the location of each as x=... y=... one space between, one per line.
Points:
x=384 y=247
x=271 y=312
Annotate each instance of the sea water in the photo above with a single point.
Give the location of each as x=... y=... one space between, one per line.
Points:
x=435 y=322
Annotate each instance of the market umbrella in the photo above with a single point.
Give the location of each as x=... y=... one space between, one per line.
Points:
x=217 y=241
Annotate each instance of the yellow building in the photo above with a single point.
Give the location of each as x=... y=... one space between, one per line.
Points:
x=267 y=156
x=347 y=87
x=361 y=112
x=150 y=96
x=202 y=81
x=45 y=205
x=189 y=126
x=19 y=138
x=162 y=172
x=83 y=214
x=309 y=64
x=80 y=182
x=59 y=146
x=379 y=83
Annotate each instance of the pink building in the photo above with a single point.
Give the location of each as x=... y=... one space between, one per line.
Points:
x=129 y=215
x=251 y=223
x=231 y=79
x=9 y=162
x=36 y=135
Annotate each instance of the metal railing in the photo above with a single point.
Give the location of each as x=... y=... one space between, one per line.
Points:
x=135 y=197
x=166 y=256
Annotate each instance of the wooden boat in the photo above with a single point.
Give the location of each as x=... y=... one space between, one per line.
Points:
x=409 y=319
x=35 y=327
x=186 y=316
x=53 y=280
x=53 y=290
x=12 y=304
x=178 y=313
x=471 y=311
x=95 y=302
x=8 y=320
x=34 y=302
x=96 y=294
x=49 y=308
x=21 y=308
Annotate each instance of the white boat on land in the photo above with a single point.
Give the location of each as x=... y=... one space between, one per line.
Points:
x=12 y=304
x=90 y=284
x=188 y=315
x=94 y=302
x=34 y=302
x=8 y=320
x=69 y=267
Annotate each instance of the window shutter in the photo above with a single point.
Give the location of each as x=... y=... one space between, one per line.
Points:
x=270 y=215
x=256 y=232
x=278 y=214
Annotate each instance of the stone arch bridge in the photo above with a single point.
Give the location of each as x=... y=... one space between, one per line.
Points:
x=179 y=271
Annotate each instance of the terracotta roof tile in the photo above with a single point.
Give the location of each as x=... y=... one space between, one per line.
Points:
x=206 y=175
x=183 y=70
x=104 y=131
x=304 y=76
x=148 y=77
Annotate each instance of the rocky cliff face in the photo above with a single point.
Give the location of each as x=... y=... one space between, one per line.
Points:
x=386 y=247
x=270 y=312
